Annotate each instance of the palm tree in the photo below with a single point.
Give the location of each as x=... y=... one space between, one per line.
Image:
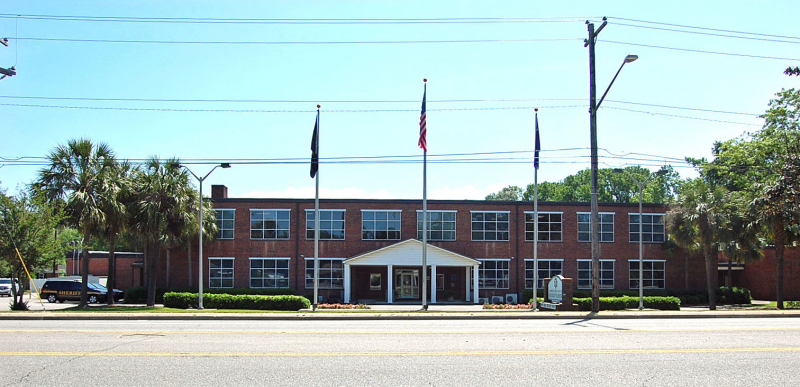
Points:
x=697 y=219
x=162 y=211
x=780 y=211
x=77 y=174
x=114 y=201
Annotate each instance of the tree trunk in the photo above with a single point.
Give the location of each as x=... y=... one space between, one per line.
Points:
x=85 y=269
x=189 y=259
x=729 y=277
x=686 y=269
x=780 y=243
x=711 y=270
x=152 y=270
x=55 y=261
x=169 y=257
x=112 y=267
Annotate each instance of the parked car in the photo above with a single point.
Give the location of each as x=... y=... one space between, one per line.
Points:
x=60 y=290
x=5 y=286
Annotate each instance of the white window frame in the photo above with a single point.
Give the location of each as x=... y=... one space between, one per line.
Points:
x=330 y=230
x=222 y=278
x=310 y=272
x=220 y=229
x=647 y=275
x=602 y=272
x=482 y=273
x=600 y=215
x=375 y=221
x=540 y=278
x=442 y=230
x=274 y=269
x=549 y=232
x=473 y=231
x=635 y=234
x=277 y=229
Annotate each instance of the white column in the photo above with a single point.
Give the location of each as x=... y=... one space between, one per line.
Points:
x=346 y=284
x=467 y=283
x=389 y=284
x=433 y=284
x=475 y=284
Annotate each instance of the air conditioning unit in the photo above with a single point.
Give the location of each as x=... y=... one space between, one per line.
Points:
x=483 y=301
x=497 y=299
x=511 y=298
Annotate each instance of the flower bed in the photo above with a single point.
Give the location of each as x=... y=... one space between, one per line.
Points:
x=507 y=306
x=342 y=306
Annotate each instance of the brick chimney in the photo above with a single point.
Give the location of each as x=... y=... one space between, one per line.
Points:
x=219 y=191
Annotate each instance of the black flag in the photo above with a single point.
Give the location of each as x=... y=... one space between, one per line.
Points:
x=315 y=148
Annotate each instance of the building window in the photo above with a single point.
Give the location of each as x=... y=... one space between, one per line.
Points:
x=489 y=226
x=331 y=225
x=493 y=274
x=606 y=227
x=375 y=281
x=269 y=224
x=441 y=225
x=331 y=273
x=548 y=268
x=653 y=274
x=225 y=223
x=549 y=226
x=269 y=272
x=220 y=272
x=652 y=228
x=380 y=225
x=585 y=274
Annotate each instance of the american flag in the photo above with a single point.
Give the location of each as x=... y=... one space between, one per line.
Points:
x=423 y=143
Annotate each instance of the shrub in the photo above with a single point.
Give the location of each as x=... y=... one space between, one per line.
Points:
x=527 y=295
x=628 y=302
x=138 y=295
x=792 y=305
x=19 y=305
x=239 y=301
x=733 y=295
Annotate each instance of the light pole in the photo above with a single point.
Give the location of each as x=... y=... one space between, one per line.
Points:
x=641 y=185
x=200 y=232
x=593 y=106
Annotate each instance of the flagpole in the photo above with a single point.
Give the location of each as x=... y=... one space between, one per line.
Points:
x=536 y=216
x=316 y=225
x=425 y=215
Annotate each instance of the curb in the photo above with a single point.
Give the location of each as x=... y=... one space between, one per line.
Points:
x=418 y=316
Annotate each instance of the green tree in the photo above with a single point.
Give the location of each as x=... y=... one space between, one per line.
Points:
x=115 y=198
x=511 y=193
x=26 y=236
x=161 y=213
x=77 y=174
x=696 y=220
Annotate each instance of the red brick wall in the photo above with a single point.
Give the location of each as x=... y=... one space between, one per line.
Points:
x=760 y=276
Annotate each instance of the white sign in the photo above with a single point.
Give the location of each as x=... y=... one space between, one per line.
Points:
x=547 y=305
x=555 y=288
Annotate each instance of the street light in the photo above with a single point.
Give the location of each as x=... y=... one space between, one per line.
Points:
x=200 y=257
x=641 y=255
x=593 y=106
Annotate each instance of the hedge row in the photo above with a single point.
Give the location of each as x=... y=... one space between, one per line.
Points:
x=138 y=295
x=628 y=302
x=239 y=301
x=724 y=295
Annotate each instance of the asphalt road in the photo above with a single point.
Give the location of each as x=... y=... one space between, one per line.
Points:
x=688 y=352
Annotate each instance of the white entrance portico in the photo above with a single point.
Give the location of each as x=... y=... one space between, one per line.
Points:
x=450 y=275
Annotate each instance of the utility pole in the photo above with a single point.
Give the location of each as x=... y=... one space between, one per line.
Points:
x=594 y=217
x=7 y=72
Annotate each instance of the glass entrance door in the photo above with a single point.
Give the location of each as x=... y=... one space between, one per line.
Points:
x=408 y=281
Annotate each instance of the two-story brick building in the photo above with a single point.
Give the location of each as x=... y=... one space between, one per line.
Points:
x=370 y=250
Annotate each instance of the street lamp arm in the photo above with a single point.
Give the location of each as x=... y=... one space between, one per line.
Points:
x=209 y=172
x=609 y=86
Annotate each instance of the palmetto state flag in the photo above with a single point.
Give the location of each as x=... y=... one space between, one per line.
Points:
x=538 y=145
x=315 y=148
x=423 y=143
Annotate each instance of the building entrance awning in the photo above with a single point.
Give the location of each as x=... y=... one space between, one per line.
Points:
x=409 y=253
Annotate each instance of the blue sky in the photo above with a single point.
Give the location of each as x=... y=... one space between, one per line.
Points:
x=548 y=69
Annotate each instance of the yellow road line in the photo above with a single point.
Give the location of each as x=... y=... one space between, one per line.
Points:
x=443 y=332
x=400 y=354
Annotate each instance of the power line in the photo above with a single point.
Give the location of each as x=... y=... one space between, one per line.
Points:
x=286 y=100
x=284 y=110
x=700 y=51
x=706 y=28
x=196 y=42
x=677 y=116
x=708 y=34
x=179 y=20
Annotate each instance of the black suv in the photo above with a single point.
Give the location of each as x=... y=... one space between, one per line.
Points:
x=60 y=290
